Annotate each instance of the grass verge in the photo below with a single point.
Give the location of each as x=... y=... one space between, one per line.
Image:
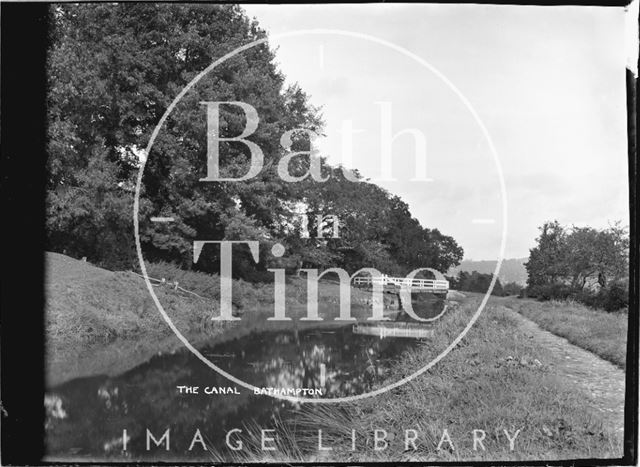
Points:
x=496 y=379
x=599 y=332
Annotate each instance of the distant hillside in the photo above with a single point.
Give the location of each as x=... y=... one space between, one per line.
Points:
x=512 y=270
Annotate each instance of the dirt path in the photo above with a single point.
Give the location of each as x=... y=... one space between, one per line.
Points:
x=600 y=380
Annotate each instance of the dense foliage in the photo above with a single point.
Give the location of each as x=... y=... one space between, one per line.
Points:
x=584 y=263
x=512 y=288
x=475 y=281
x=115 y=68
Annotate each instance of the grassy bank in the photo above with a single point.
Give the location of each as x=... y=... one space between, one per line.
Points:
x=496 y=379
x=600 y=332
x=105 y=322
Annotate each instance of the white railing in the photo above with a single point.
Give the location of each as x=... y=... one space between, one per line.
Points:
x=430 y=284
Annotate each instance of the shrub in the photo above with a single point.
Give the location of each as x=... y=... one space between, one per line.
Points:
x=476 y=282
x=512 y=288
x=550 y=291
x=615 y=297
x=612 y=298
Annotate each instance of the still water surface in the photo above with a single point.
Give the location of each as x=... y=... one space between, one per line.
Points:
x=86 y=417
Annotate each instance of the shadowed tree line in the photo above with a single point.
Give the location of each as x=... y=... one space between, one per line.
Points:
x=583 y=263
x=113 y=71
x=479 y=282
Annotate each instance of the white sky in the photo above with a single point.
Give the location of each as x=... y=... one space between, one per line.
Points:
x=547 y=82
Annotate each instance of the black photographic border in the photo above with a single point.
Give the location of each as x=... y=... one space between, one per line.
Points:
x=24 y=42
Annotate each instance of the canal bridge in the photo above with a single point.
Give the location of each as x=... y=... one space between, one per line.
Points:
x=437 y=286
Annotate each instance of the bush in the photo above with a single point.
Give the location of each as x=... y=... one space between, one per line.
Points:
x=476 y=282
x=612 y=298
x=512 y=288
x=550 y=292
x=615 y=297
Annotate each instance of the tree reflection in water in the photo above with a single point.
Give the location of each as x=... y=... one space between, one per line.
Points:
x=97 y=409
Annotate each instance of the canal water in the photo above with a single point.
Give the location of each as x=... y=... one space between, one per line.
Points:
x=86 y=417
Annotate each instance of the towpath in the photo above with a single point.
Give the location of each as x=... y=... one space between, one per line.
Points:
x=601 y=381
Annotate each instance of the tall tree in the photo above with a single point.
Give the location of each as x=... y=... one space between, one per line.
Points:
x=547 y=260
x=573 y=256
x=114 y=69
x=597 y=254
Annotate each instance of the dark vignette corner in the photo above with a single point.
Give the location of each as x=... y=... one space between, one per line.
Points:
x=24 y=45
